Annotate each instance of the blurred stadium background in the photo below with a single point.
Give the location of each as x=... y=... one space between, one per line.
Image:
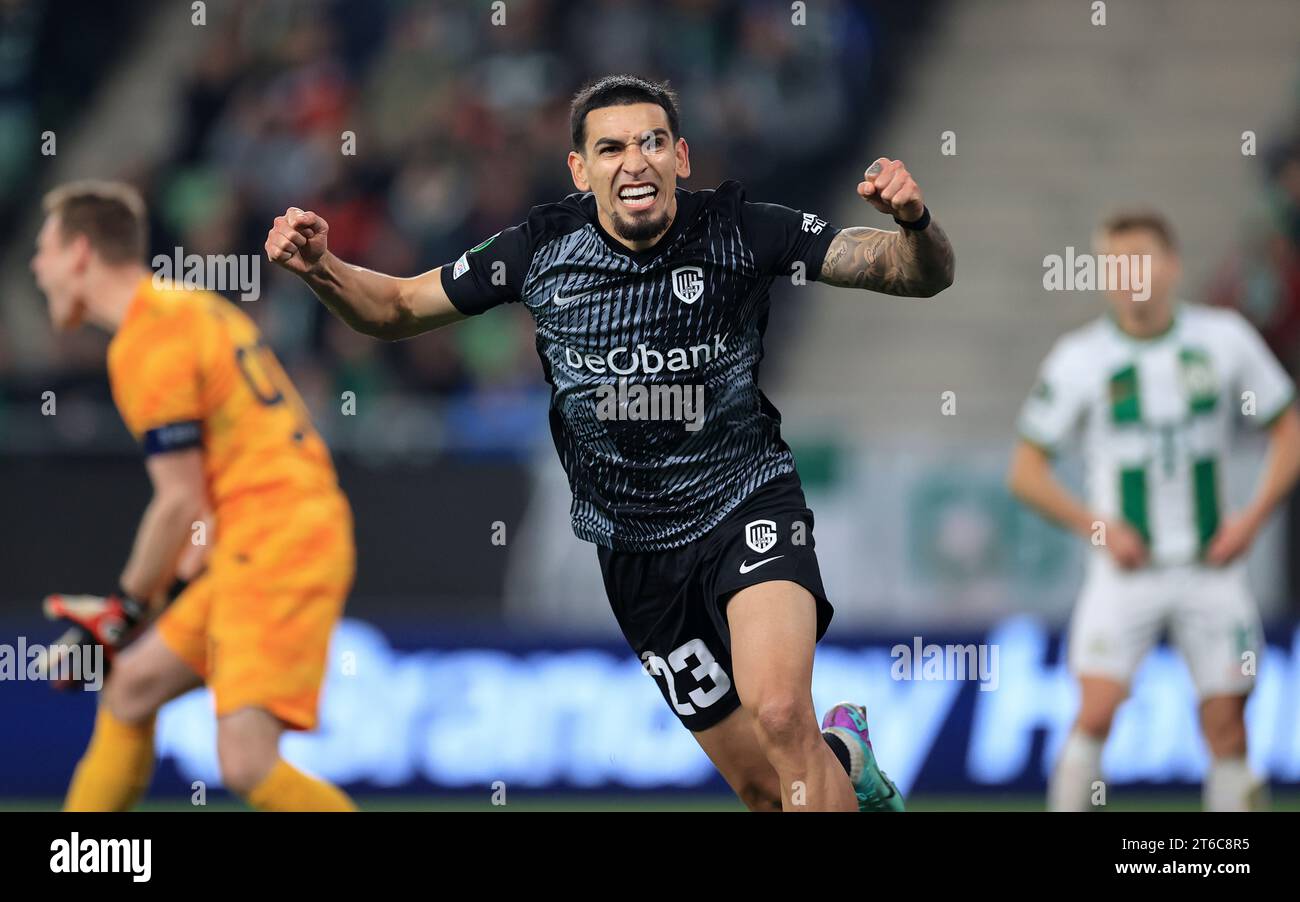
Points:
x=463 y=662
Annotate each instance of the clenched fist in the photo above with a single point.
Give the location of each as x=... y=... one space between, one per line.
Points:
x=890 y=188
x=297 y=240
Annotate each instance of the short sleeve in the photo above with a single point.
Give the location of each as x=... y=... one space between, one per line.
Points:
x=782 y=237
x=156 y=385
x=1259 y=373
x=1055 y=406
x=492 y=272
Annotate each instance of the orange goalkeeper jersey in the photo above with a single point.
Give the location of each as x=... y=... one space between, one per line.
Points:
x=190 y=370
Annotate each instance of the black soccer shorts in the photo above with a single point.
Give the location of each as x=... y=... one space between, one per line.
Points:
x=672 y=605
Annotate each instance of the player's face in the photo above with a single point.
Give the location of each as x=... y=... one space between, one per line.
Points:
x=1150 y=298
x=56 y=265
x=631 y=166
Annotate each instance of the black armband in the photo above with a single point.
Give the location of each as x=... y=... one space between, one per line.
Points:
x=919 y=224
x=173 y=437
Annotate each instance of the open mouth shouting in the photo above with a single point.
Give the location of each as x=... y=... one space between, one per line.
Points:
x=638 y=196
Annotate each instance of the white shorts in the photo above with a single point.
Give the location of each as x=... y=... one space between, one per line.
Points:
x=1209 y=613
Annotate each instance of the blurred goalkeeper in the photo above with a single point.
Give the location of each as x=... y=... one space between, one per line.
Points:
x=225 y=438
x=702 y=533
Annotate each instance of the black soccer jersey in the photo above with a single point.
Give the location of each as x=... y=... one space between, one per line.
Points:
x=629 y=340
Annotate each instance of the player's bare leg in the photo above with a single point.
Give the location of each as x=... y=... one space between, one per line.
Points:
x=1223 y=721
x=145 y=677
x=773 y=635
x=248 y=746
x=248 y=749
x=118 y=764
x=1079 y=766
x=1229 y=785
x=733 y=748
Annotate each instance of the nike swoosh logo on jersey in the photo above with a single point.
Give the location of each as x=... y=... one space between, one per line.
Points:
x=746 y=566
x=564 y=302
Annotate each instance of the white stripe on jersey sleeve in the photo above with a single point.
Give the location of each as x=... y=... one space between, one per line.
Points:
x=1258 y=372
x=1052 y=412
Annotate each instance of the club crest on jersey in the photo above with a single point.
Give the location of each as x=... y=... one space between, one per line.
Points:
x=1199 y=382
x=760 y=535
x=688 y=283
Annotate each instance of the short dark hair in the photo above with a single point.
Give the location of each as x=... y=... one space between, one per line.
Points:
x=1132 y=220
x=619 y=90
x=110 y=214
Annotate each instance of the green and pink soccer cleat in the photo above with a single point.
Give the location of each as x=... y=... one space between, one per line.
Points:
x=874 y=789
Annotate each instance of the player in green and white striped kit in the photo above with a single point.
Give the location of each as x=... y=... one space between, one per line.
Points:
x=1152 y=392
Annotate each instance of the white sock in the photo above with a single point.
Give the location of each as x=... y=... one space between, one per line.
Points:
x=1229 y=785
x=1079 y=766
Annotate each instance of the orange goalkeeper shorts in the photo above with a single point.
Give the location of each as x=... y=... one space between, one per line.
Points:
x=256 y=625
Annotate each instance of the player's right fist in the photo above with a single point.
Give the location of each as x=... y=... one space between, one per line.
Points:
x=1125 y=545
x=297 y=240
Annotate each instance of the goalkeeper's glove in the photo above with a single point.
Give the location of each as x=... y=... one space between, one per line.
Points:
x=107 y=621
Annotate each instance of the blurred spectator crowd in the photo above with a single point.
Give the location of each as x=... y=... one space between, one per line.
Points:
x=1261 y=274
x=460 y=126
x=1261 y=277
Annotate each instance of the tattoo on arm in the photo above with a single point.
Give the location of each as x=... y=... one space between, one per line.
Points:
x=906 y=262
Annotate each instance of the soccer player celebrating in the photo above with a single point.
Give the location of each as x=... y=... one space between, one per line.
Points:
x=1156 y=386
x=223 y=431
x=702 y=533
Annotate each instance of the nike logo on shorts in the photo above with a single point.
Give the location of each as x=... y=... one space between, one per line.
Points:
x=745 y=566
